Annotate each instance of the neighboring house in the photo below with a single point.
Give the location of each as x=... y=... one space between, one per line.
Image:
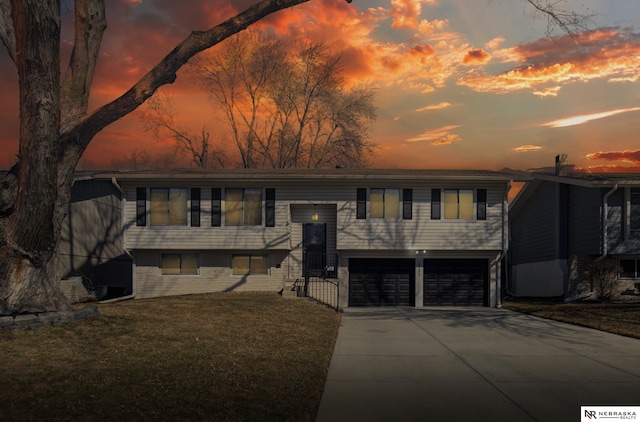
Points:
x=401 y=237
x=91 y=238
x=560 y=223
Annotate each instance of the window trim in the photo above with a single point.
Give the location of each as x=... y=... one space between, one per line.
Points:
x=181 y=257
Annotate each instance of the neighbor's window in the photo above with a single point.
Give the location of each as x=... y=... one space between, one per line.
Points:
x=384 y=203
x=168 y=207
x=180 y=264
x=243 y=207
x=250 y=265
x=458 y=204
x=634 y=222
x=629 y=268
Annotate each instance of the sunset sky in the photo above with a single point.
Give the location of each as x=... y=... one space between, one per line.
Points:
x=472 y=84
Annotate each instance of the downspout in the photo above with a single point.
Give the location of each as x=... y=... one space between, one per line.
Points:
x=115 y=184
x=605 y=212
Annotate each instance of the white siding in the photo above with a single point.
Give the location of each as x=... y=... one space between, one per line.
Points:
x=419 y=233
x=214 y=275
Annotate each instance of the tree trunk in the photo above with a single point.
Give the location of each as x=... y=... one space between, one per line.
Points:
x=30 y=229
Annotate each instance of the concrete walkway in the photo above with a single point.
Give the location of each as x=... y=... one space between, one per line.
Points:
x=478 y=364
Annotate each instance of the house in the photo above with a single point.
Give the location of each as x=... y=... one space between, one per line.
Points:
x=560 y=223
x=91 y=247
x=386 y=237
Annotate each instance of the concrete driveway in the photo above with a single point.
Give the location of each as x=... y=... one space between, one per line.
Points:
x=475 y=364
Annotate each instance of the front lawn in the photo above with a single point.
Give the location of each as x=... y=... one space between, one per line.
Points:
x=617 y=317
x=226 y=356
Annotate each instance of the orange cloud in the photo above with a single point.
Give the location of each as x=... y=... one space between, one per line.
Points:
x=438 y=106
x=405 y=13
x=578 y=120
x=439 y=136
x=625 y=156
x=610 y=54
x=477 y=56
x=526 y=148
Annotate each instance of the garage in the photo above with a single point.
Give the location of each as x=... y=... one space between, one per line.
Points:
x=381 y=282
x=460 y=282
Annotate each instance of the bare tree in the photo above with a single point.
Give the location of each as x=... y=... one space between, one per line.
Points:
x=56 y=128
x=142 y=160
x=287 y=107
x=159 y=117
x=568 y=21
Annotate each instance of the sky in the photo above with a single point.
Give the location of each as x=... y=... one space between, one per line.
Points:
x=460 y=84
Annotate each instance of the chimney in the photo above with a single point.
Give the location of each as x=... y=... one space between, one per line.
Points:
x=561 y=162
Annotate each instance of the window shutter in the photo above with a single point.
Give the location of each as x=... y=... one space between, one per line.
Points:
x=195 y=207
x=141 y=206
x=270 y=208
x=482 y=204
x=435 y=204
x=407 y=204
x=361 y=206
x=216 y=208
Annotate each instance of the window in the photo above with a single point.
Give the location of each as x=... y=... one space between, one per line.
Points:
x=180 y=264
x=458 y=204
x=384 y=203
x=634 y=221
x=629 y=268
x=243 y=207
x=250 y=265
x=168 y=207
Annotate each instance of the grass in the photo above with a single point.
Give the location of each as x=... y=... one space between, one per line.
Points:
x=223 y=357
x=617 y=317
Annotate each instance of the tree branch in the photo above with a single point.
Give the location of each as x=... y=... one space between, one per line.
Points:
x=165 y=72
x=91 y=23
x=7 y=32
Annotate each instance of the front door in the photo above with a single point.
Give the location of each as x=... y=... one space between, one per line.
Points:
x=314 y=242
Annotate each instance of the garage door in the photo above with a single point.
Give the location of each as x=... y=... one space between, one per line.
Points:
x=456 y=282
x=381 y=282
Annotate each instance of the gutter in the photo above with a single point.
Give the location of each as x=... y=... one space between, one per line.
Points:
x=503 y=252
x=115 y=184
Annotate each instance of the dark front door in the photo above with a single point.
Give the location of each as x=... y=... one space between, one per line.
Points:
x=314 y=242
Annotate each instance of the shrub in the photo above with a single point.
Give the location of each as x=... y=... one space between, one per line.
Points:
x=603 y=276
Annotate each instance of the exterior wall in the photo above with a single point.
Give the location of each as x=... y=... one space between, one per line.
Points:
x=421 y=232
x=91 y=238
x=214 y=275
x=539 y=279
x=418 y=233
x=533 y=230
x=584 y=221
x=205 y=236
x=621 y=240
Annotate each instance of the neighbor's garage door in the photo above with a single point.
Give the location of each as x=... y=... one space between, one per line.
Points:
x=456 y=282
x=381 y=282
